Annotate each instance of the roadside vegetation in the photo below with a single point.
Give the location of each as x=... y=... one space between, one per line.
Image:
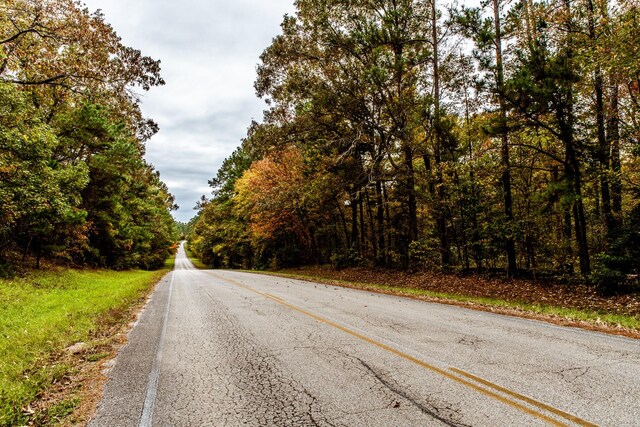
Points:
x=195 y=260
x=387 y=145
x=74 y=186
x=80 y=208
x=50 y=321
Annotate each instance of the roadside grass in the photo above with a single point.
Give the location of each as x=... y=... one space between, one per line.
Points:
x=170 y=263
x=196 y=262
x=44 y=313
x=592 y=317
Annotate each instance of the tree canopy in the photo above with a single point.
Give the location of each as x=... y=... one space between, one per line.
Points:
x=74 y=186
x=416 y=134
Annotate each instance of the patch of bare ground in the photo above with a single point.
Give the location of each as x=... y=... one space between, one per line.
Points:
x=523 y=291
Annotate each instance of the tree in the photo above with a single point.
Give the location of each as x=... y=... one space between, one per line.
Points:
x=384 y=145
x=487 y=34
x=75 y=187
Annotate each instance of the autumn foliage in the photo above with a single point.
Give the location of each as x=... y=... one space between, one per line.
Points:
x=271 y=192
x=387 y=144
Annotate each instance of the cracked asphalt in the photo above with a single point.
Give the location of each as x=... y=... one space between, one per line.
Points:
x=223 y=348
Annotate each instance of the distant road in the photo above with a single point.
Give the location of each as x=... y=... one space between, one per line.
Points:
x=221 y=348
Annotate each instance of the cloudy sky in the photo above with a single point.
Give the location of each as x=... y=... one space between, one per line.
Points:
x=209 y=51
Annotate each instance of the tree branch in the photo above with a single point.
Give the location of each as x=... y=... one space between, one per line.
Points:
x=37 y=82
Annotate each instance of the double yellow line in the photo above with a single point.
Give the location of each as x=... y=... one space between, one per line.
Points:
x=490 y=389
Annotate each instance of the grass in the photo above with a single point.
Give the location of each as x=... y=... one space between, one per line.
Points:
x=571 y=314
x=196 y=262
x=61 y=410
x=45 y=312
x=170 y=263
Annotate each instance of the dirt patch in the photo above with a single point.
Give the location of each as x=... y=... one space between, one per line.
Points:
x=580 y=297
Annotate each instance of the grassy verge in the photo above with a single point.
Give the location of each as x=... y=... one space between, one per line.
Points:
x=170 y=263
x=599 y=320
x=44 y=313
x=196 y=262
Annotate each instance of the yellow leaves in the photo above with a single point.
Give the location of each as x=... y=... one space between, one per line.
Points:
x=59 y=43
x=269 y=194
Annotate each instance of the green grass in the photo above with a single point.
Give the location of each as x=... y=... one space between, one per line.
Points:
x=590 y=316
x=170 y=263
x=196 y=262
x=96 y=356
x=42 y=314
x=60 y=410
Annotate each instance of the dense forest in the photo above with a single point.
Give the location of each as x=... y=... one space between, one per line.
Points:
x=415 y=134
x=74 y=187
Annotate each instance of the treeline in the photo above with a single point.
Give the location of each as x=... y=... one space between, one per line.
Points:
x=411 y=134
x=74 y=186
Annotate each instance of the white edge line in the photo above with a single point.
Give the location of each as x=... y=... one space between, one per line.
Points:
x=152 y=386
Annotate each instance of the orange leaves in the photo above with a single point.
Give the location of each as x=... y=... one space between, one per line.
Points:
x=270 y=195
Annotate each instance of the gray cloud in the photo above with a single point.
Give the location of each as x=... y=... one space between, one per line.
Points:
x=209 y=51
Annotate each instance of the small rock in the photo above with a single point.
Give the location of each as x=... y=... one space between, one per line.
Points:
x=108 y=365
x=78 y=347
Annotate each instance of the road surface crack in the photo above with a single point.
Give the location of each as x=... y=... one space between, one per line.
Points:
x=572 y=374
x=433 y=411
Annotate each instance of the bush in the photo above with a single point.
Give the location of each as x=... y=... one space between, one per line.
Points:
x=6 y=270
x=424 y=254
x=608 y=281
x=612 y=270
x=345 y=258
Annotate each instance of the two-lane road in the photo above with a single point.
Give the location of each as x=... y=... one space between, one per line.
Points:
x=221 y=348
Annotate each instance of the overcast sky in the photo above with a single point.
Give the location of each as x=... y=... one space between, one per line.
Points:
x=209 y=51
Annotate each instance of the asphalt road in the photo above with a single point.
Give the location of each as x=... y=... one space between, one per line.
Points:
x=221 y=348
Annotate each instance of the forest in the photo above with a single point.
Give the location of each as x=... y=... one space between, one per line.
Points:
x=421 y=135
x=74 y=186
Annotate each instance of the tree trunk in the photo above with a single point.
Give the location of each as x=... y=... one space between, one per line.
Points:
x=353 y=204
x=410 y=184
x=401 y=120
x=579 y=219
x=566 y=120
x=603 y=144
x=613 y=131
x=363 y=230
x=510 y=246
x=382 y=251
x=344 y=221
x=474 y=197
x=38 y=253
x=385 y=196
x=441 y=224
x=463 y=228
x=372 y=227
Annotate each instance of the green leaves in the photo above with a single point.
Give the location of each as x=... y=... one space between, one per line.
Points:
x=74 y=186
x=412 y=156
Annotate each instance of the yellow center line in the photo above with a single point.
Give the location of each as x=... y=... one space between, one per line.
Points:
x=529 y=400
x=274 y=297
x=433 y=368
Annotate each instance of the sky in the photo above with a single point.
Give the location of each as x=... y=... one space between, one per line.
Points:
x=209 y=51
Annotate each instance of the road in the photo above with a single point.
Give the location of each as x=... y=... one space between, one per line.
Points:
x=222 y=348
